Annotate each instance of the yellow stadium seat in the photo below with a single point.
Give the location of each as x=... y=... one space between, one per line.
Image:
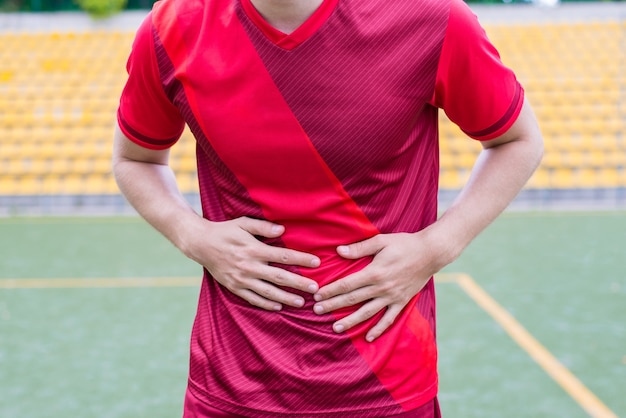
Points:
x=586 y=178
x=553 y=159
x=446 y=162
x=562 y=178
x=188 y=182
x=59 y=166
x=59 y=93
x=611 y=177
x=187 y=164
x=81 y=166
x=51 y=184
x=539 y=180
x=22 y=184
x=453 y=179
x=30 y=185
x=616 y=158
x=17 y=167
x=73 y=184
x=102 y=166
x=596 y=158
x=9 y=185
x=100 y=184
x=38 y=167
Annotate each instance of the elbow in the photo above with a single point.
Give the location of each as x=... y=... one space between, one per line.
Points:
x=117 y=163
x=537 y=149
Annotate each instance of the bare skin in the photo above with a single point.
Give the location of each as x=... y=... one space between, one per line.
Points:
x=229 y=250
x=402 y=263
x=286 y=15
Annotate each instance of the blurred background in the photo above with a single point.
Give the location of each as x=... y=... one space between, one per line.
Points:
x=61 y=73
x=96 y=308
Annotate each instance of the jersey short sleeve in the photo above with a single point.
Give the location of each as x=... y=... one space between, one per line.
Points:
x=146 y=115
x=475 y=89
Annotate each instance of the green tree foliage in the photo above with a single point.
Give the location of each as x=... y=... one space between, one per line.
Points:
x=100 y=9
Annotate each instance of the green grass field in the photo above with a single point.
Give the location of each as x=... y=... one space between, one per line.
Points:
x=79 y=342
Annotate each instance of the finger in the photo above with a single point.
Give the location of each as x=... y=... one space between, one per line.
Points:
x=272 y=254
x=282 y=277
x=272 y=293
x=256 y=300
x=344 y=300
x=345 y=285
x=289 y=257
x=385 y=322
x=260 y=227
x=362 y=314
x=361 y=249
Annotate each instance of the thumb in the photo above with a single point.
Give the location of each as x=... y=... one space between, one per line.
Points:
x=361 y=249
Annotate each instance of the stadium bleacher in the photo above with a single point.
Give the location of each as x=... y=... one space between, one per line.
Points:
x=573 y=74
x=59 y=91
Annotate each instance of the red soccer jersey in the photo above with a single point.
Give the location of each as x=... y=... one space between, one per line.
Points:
x=330 y=131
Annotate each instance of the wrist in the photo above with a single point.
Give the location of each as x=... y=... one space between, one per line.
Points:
x=445 y=243
x=186 y=234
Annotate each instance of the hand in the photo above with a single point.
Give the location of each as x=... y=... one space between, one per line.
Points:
x=240 y=262
x=402 y=265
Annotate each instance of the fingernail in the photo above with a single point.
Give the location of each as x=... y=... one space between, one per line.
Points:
x=277 y=307
x=317 y=298
x=315 y=262
x=299 y=302
x=338 y=328
x=276 y=229
x=319 y=309
x=343 y=250
x=313 y=288
x=369 y=338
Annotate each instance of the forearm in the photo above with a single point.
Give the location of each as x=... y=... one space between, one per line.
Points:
x=497 y=178
x=229 y=250
x=152 y=190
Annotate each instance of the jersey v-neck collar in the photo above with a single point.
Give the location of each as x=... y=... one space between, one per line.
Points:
x=298 y=36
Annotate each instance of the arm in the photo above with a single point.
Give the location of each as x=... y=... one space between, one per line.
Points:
x=229 y=250
x=403 y=263
x=501 y=170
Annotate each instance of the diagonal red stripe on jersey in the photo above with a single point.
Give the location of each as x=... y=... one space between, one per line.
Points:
x=256 y=135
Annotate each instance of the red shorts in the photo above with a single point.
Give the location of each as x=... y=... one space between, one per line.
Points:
x=194 y=408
